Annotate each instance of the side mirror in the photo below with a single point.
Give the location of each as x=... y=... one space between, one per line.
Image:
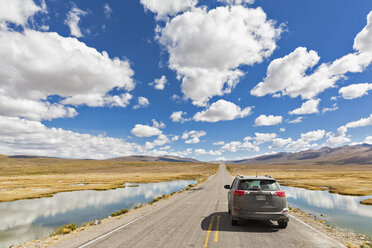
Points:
x=227 y=187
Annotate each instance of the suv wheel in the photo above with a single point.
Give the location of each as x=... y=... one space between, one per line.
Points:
x=283 y=224
x=234 y=222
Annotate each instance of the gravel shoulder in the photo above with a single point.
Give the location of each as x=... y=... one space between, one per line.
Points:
x=348 y=239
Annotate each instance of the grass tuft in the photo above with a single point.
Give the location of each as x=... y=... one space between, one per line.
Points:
x=120 y=212
x=64 y=229
x=138 y=206
x=366 y=245
x=366 y=201
x=158 y=199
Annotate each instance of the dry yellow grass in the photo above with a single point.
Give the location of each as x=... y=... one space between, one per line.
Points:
x=43 y=177
x=367 y=201
x=341 y=179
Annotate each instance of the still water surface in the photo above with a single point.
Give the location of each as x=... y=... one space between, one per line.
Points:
x=26 y=220
x=343 y=212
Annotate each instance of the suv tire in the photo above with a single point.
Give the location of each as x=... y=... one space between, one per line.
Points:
x=234 y=222
x=283 y=224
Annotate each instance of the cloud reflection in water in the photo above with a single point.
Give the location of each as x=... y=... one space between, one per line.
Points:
x=326 y=200
x=24 y=212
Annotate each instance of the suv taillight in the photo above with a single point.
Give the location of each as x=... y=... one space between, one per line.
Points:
x=280 y=193
x=238 y=192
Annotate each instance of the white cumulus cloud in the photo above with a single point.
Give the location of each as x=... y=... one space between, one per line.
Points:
x=269 y=120
x=360 y=123
x=203 y=152
x=261 y=138
x=159 y=83
x=222 y=111
x=338 y=138
x=19 y=11
x=235 y=146
x=313 y=135
x=107 y=10
x=60 y=66
x=165 y=8
x=177 y=116
x=308 y=107
x=368 y=140
x=237 y=2
x=140 y=130
x=206 y=47
x=287 y=75
x=219 y=143
x=279 y=143
x=305 y=141
x=20 y=136
x=143 y=102
x=294 y=121
x=355 y=90
x=158 y=124
x=73 y=19
x=333 y=108
x=159 y=141
x=193 y=136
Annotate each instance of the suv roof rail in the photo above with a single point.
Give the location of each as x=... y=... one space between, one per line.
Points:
x=268 y=176
x=239 y=176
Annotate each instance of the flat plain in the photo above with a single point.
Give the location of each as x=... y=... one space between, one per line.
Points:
x=27 y=178
x=351 y=179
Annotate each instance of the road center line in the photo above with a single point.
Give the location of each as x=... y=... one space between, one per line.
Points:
x=217 y=227
x=208 y=232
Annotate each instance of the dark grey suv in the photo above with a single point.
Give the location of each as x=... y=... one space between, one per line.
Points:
x=260 y=198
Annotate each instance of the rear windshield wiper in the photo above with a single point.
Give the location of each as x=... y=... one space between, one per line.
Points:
x=257 y=189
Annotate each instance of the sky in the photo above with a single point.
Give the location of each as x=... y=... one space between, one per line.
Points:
x=212 y=80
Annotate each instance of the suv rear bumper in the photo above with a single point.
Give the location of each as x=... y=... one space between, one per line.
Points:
x=260 y=215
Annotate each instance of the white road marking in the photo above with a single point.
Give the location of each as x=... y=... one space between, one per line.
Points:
x=126 y=224
x=312 y=228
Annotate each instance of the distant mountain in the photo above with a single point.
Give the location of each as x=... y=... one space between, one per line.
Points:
x=357 y=154
x=127 y=158
x=28 y=156
x=155 y=159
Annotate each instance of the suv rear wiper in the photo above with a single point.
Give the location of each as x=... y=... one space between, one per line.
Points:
x=255 y=189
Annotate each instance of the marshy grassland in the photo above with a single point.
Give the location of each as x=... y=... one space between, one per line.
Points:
x=366 y=202
x=27 y=178
x=341 y=179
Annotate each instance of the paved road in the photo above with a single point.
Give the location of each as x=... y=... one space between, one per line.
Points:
x=198 y=218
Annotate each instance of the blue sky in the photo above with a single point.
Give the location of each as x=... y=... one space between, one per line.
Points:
x=213 y=80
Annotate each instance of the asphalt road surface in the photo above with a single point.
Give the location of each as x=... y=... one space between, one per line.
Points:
x=197 y=218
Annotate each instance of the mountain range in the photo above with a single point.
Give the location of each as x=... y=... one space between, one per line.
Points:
x=355 y=154
x=155 y=159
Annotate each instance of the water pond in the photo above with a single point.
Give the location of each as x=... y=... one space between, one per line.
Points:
x=344 y=212
x=26 y=220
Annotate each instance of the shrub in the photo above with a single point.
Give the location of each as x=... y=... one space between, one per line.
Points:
x=120 y=212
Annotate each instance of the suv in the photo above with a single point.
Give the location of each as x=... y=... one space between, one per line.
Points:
x=257 y=197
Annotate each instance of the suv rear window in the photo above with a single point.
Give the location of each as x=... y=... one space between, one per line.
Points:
x=263 y=185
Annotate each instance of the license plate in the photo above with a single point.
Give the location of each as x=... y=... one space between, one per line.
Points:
x=260 y=197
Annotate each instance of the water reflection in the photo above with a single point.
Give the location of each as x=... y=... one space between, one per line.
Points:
x=30 y=219
x=345 y=212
